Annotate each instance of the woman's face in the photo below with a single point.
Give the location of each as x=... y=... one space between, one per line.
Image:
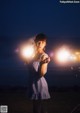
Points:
x=41 y=44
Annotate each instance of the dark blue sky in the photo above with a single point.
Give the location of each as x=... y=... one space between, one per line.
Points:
x=28 y=17
x=21 y=19
x=25 y=18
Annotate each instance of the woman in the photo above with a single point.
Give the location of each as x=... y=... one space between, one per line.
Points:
x=38 y=87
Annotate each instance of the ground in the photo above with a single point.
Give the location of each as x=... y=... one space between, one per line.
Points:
x=60 y=102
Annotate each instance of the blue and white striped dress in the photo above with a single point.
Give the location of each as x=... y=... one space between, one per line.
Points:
x=38 y=87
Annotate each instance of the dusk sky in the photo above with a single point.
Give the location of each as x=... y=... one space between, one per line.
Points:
x=28 y=17
x=21 y=19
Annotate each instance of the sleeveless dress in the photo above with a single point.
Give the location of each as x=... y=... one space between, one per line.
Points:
x=37 y=87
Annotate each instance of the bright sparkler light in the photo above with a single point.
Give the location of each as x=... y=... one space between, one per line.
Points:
x=27 y=52
x=63 y=55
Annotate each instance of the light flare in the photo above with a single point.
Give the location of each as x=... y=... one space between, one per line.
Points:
x=63 y=55
x=27 y=52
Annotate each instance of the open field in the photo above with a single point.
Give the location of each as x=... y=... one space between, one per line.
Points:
x=60 y=102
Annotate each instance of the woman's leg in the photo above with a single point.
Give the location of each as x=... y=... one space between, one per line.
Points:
x=44 y=106
x=40 y=106
x=36 y=106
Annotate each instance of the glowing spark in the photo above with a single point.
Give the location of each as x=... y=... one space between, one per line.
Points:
x=63 y=55
x=27 y=52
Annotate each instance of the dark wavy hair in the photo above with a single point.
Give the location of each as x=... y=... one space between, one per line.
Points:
x=40 y=37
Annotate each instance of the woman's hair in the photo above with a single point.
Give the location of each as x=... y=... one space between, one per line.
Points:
x=40 y=37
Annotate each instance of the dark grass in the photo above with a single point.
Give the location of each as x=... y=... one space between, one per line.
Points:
x=60 y=102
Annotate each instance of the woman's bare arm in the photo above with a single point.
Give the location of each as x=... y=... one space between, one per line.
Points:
x=44 y=65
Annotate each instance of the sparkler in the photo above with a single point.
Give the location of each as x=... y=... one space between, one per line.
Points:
x=63 y=55
x=27 y=50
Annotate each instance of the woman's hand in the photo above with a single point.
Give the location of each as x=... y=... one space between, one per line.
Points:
x=43 y=65
x=46 y=60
